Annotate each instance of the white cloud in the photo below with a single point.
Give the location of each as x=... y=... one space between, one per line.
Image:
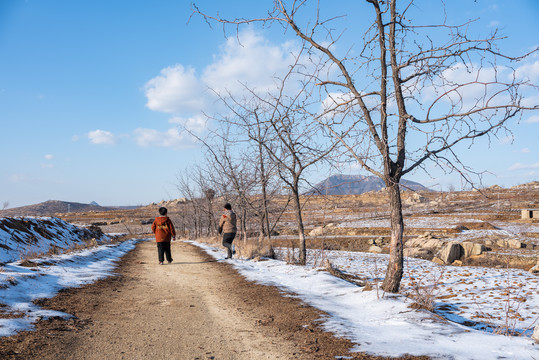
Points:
x=196 y=124
x=49 y=156
x=528 y=71
x=172 y=138
x=526 y=150
x=253 y=62
x=102 y=137
x=47 y=166
x=530 y=100
x=75 y=138
x=533 y=119
x=519 y=166
x=176 y=90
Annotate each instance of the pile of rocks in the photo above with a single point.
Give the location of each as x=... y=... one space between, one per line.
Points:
x=428 y=247
x=376 y=245
x=506 y=243
x=415 y=199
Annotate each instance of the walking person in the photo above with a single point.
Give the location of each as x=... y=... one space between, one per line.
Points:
x=227 y=227
x=164 y=232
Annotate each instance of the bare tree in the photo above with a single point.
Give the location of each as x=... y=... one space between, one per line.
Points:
x=402 y=99
x=5 y=205
x=186 y=188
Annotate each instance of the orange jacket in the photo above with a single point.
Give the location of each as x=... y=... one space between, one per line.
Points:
x=163 y=229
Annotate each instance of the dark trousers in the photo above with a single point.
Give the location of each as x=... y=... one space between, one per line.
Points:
x=227 y=242
x=163 y=248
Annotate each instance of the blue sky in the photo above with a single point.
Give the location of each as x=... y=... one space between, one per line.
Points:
x=92 y=92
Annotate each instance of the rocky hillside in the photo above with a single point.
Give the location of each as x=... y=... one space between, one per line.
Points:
x=31 y=237
x=357 y=184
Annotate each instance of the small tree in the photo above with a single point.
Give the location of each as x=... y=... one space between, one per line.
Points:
x=292 y=139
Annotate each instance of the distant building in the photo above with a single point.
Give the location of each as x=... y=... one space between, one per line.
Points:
x=530 y=213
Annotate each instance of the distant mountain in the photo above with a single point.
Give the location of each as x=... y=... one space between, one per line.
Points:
x=51 y=207
x=94 y=203
x=357 y=184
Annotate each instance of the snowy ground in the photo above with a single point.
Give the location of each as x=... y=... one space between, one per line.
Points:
x=28 y=236
x=385 y=324
x=20 y=286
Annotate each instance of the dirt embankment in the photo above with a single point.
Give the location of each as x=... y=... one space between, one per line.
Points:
x=194 y=308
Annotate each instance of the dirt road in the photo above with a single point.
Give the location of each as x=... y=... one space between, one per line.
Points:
x=194 y=308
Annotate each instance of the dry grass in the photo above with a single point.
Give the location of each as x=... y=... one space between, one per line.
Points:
x=252 y=249
x=425 y=289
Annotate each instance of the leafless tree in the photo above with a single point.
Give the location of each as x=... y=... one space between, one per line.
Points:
x=5 y=205
x=407 y=96
x=186 y=188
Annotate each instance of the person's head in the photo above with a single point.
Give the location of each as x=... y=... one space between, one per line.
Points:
x=163 y=211
x=228 y=206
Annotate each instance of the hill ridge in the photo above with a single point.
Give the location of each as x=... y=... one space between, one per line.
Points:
x=343 y=184
x=51 y=207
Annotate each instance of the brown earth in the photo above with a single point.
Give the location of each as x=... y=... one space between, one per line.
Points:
x=194 y=308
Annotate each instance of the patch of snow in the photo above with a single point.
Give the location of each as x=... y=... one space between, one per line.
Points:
x=20 y=286
x=384 y=324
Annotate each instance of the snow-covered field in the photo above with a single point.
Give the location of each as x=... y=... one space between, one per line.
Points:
x=20 y=286
x=438 y=222
x=503 y=228
x=385 y=324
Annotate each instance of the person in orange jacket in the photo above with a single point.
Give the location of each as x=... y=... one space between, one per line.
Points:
x=164 y=232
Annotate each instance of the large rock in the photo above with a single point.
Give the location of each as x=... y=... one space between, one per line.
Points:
x=420 y=253
x=535 y=269
x=450 y=252
x=317 y=231
x=423 y=247
x=535 y=335
x=438 y=261
x=511 y=243
x=427 y=243
x=413 y=243
x=375 y=249
x=471 y=248
x=434 y=244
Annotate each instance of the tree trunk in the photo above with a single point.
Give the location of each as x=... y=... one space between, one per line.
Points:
x=301 y=229
x=395 y=267
x=244 y=224
x=211 y=226
x=264 y=183
x=261 y=229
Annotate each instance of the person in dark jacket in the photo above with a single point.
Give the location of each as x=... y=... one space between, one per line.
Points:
x=164 y=232
x=227 y=227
